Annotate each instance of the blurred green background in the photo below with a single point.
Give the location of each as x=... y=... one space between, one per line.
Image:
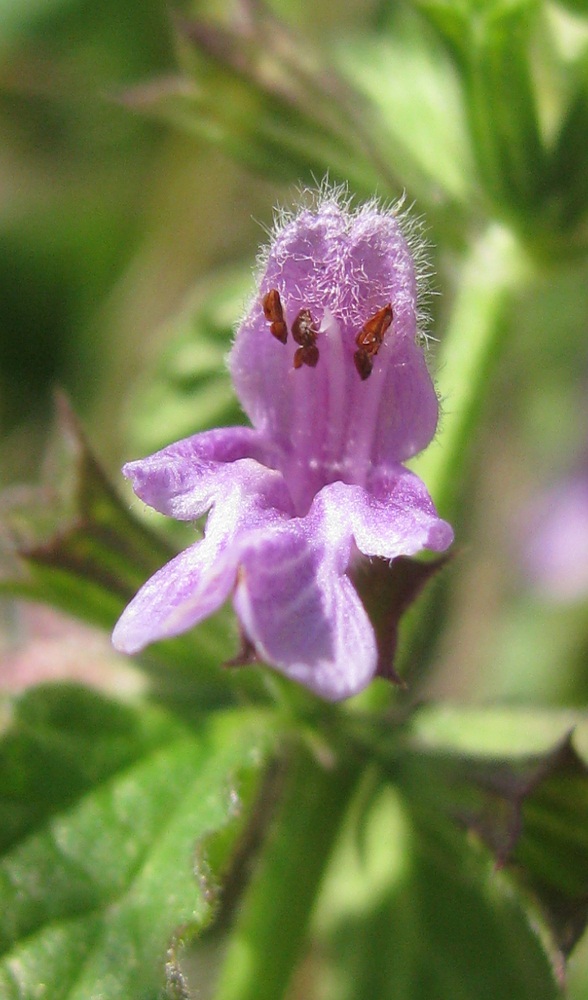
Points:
x=116 y=229
x=107 y=219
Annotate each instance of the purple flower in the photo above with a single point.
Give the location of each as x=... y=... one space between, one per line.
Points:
x=555 y=553
x=329 y=369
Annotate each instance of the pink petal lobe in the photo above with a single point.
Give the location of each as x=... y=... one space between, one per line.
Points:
x=183 y=479
x=394 y=517
x=180 y=595
x=199 y=580
x=303 y=615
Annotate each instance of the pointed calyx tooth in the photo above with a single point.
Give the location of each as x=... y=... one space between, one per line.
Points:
x=370 y=338
x=274 y=314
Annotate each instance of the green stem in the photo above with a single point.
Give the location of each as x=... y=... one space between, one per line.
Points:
x=271 y=929
x=470 y=353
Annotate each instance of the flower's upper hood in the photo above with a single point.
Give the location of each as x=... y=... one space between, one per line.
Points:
x=326 y=421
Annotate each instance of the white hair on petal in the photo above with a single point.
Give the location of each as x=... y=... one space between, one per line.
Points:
x=411 y=225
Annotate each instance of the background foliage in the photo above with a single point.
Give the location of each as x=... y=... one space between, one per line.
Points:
x=438 y=855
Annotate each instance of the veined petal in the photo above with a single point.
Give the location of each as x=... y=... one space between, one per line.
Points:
x=303 y=615
x=328 y=366
x=183 y=593
x=196 y=582
x=183 y=479
x=394 y=517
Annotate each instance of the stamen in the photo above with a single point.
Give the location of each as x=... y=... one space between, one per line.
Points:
x=361 y=446
x=363 y=363
x=336 y=381
x=305 y=334
x=370 y=339
x=274 y=314
x=306 y=356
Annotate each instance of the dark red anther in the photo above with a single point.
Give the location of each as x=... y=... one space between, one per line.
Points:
x=370 y=338
x=305 y=334
x=274 y=314
x=306 y=356
x=363 y=363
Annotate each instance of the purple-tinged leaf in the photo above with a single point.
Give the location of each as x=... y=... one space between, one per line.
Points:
x=388 y=590
x=529 y=806
x=71 y=540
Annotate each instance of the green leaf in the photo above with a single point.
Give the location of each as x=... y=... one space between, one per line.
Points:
x=551 y=853
x=498 y=731
x=73 y=542
x=491 y=44
x=575 y=6
x=520 y=782
x=269 y=99
x=414 y=912
x=57 y=743
x=99 y=874
x=416 y=109
x=569 y=159
x=17 y=16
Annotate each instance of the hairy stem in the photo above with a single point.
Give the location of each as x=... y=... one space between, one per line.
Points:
x=270 y=932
